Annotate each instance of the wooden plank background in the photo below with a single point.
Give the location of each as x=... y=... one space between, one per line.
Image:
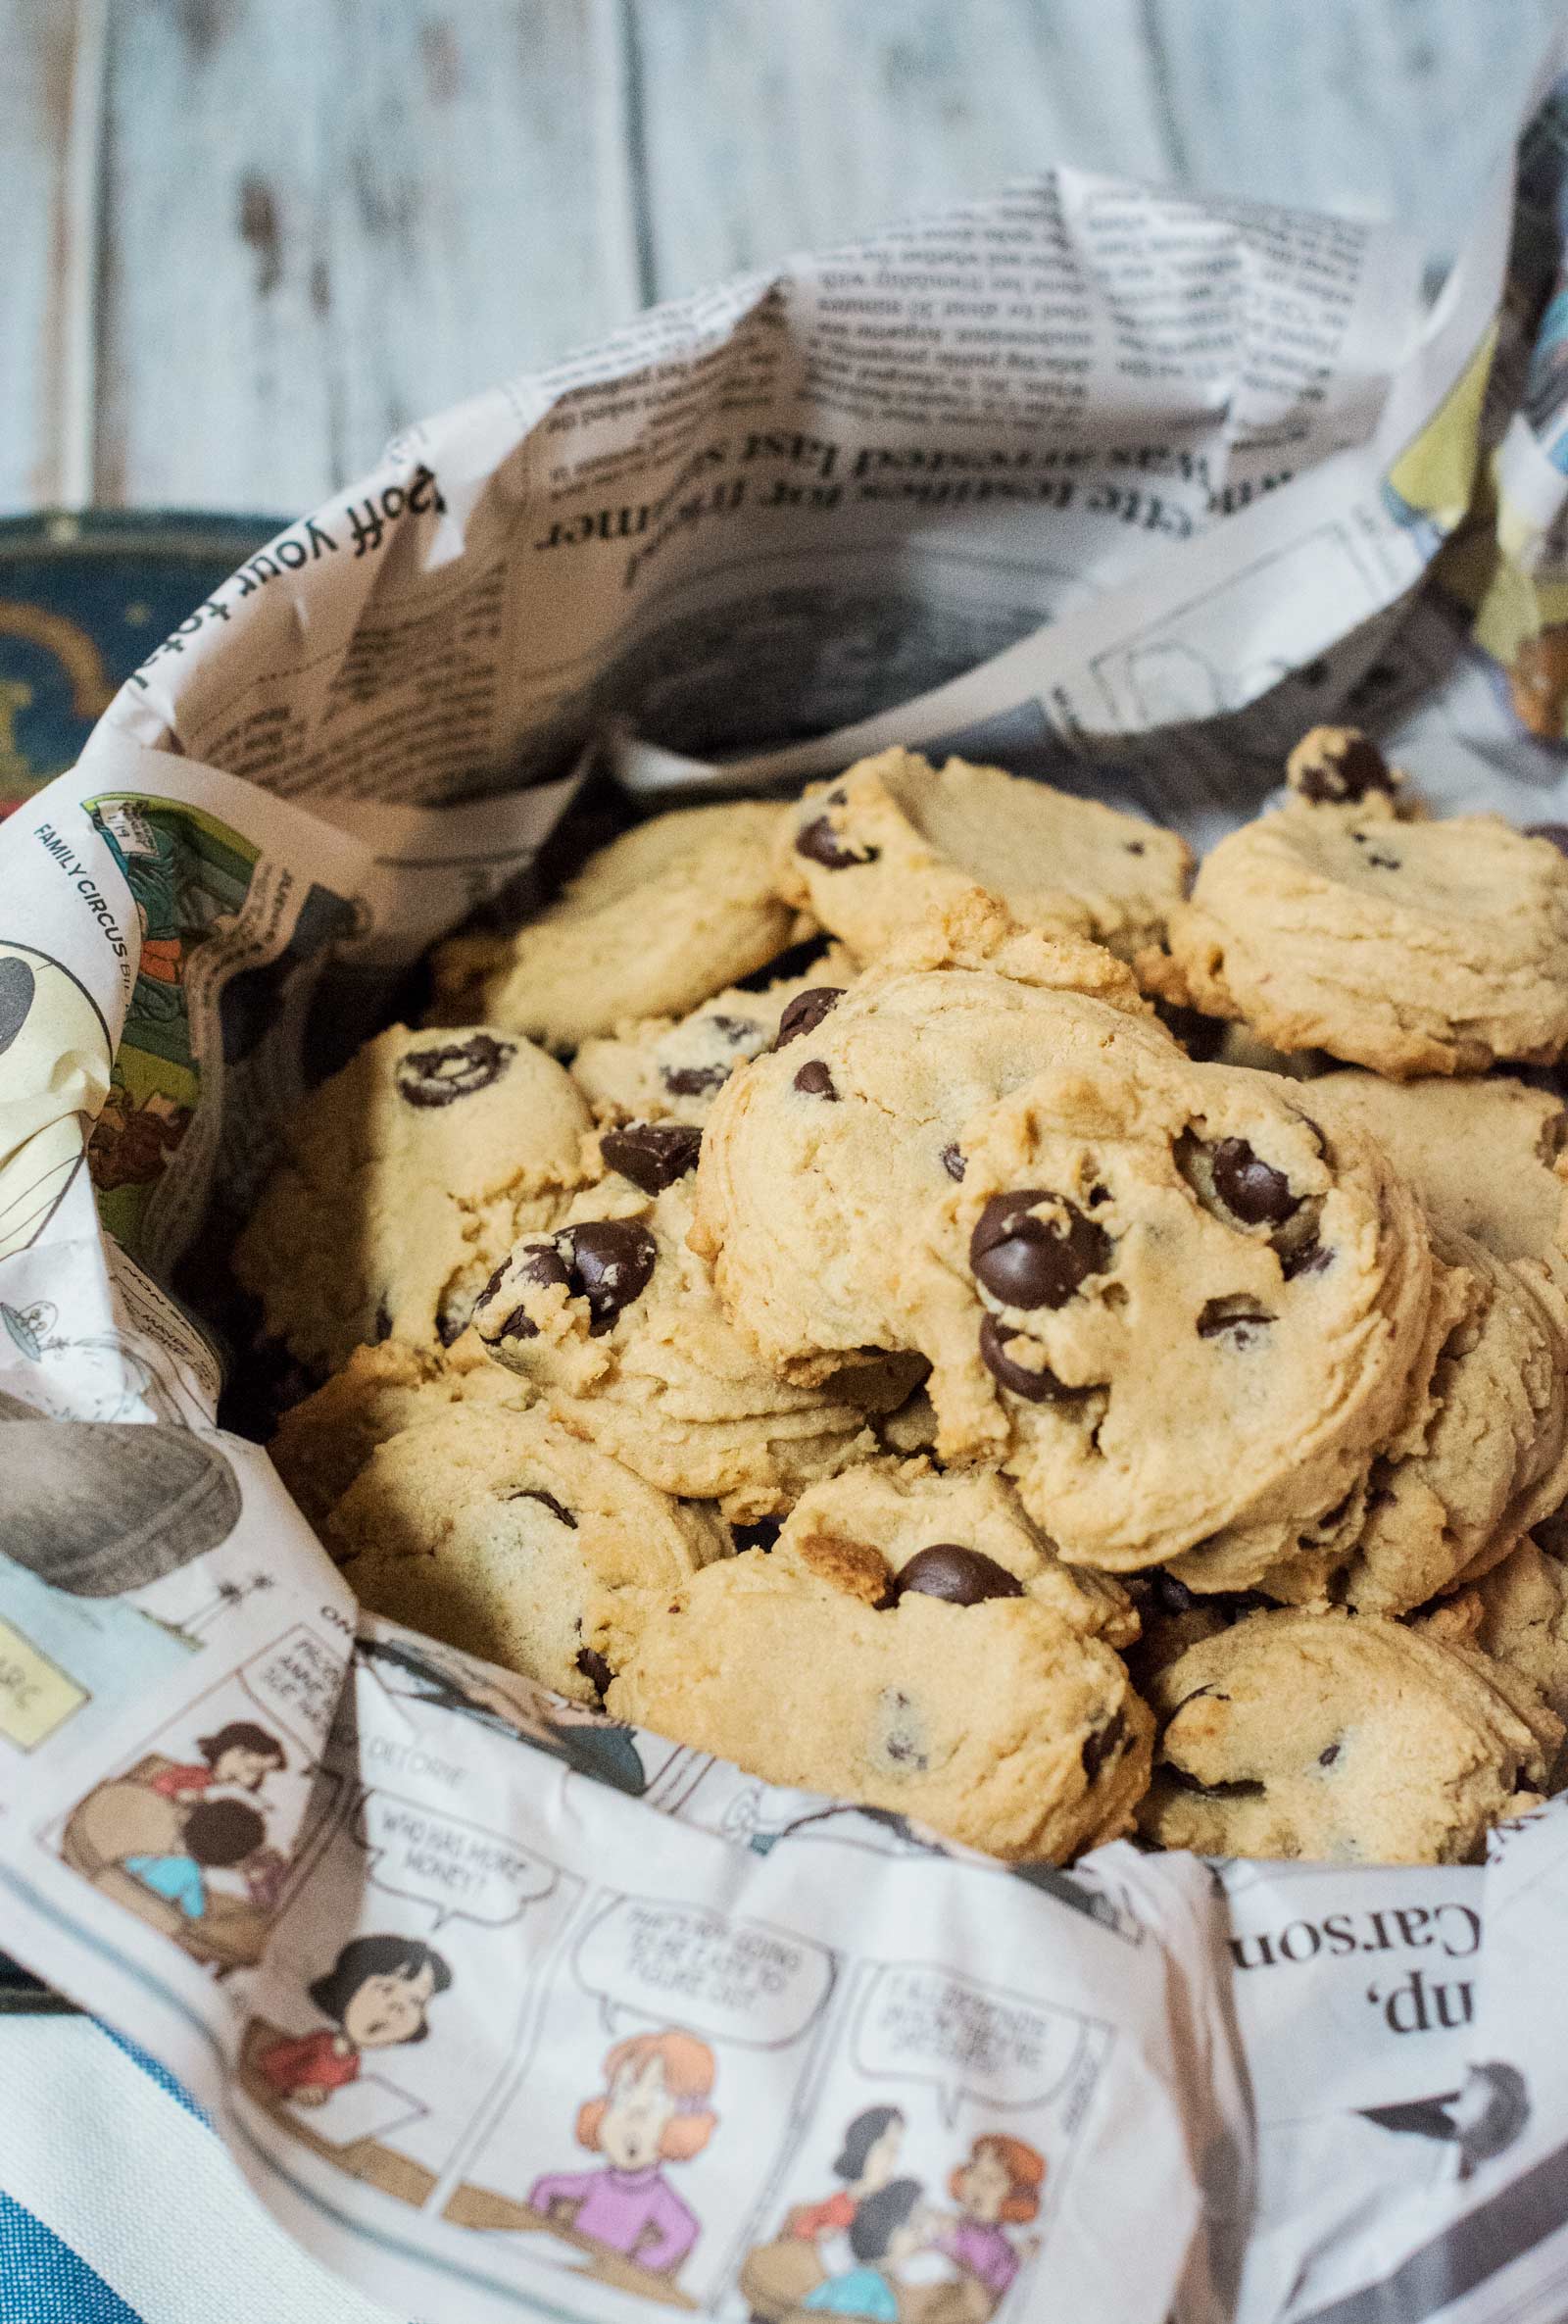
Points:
x=247 y=240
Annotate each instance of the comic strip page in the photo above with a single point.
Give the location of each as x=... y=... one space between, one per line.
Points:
x=686 y=2088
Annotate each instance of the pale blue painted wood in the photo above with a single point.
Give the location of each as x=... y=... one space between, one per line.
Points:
x=1388 y=109
x=35 y=82
x=309 y=220
x=800 y=124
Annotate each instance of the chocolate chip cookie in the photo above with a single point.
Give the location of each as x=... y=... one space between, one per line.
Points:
x=401 y=1186
x=1343 y=1736
x=897 y=840
x=987 y=1717
x=1518 y=1616
x=652 y=925
x=675 y=1066
x=1167 y=1302
x=894 y=1525
x=613 y=1317
x=1486 y=1155
x=1409 y=946
x=322 y=1443
x=491 y=1528
x=1489 y=1457
x=819 y=1156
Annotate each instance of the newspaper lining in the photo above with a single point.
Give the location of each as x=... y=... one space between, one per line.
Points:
x=1119 y=487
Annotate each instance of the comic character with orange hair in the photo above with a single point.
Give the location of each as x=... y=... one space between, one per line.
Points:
x=1000 y=2181
x=654 y=2110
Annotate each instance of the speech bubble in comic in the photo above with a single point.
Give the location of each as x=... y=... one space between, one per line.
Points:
x=297 y=1680
x=972 y=2042
x=740 y=1981
x=459 y=1869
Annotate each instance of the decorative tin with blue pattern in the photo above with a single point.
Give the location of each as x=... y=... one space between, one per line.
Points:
x=82 y=597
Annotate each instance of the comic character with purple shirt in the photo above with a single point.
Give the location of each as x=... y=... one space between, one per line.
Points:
x=652 y=2110
x=1000 y=2181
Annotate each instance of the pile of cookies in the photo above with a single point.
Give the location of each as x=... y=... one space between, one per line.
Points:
x=893 y=1292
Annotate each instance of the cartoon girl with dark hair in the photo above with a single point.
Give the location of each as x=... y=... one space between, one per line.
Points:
x=865 y=2162
x=888 y=2228
x=376 y=1993
x=1000 y=2181
x=654 y=2110
x=241 y=1753
x=217 y=1834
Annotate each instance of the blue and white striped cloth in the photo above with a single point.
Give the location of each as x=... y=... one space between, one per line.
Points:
x=119 y=2204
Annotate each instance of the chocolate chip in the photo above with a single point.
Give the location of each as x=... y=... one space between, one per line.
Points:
x=734 y=1029
x=438 y=1076
x=381 y=1328
x=786 y=965
x=1134 y=847
x=1035 y=1387
x=953 y=1164
x=1384 y=862
x=805 y=1011
x=1326 y=1758
x=1345 y=769
x=1252 y=1188
x=653 y=1154
x=760 y=1536
x=1096 y=1196
x=1230 y=1179
x=820 y=844
x=1244 y=1788
x=1557 y=834
x=542 y=1262
x=596 y=1670
x=964 y=1578
x=534 y=1493
x=536 y=1262
x=813 y=1080
x=448 y=1327
x=1237 y=1313
x=1027 y=1262
x=1103 y=1744
x=612 y=1261
x=1309 y=1259
x=694 y=1081
x=903 y=1731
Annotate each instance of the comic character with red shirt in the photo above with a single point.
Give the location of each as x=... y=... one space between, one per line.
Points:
x=241 y=1753
x=376 y=1993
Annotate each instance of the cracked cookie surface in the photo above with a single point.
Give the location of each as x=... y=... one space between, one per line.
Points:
x=993 y=1721
x=819 y=1156
x=1411 y=947
x=1340 y=1735
x=896 y=839
x=1167 y=1302
x=612 y=1316
x=401 y=1186
x=657 y=1068
x=652 y=923
x=491 y=1529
